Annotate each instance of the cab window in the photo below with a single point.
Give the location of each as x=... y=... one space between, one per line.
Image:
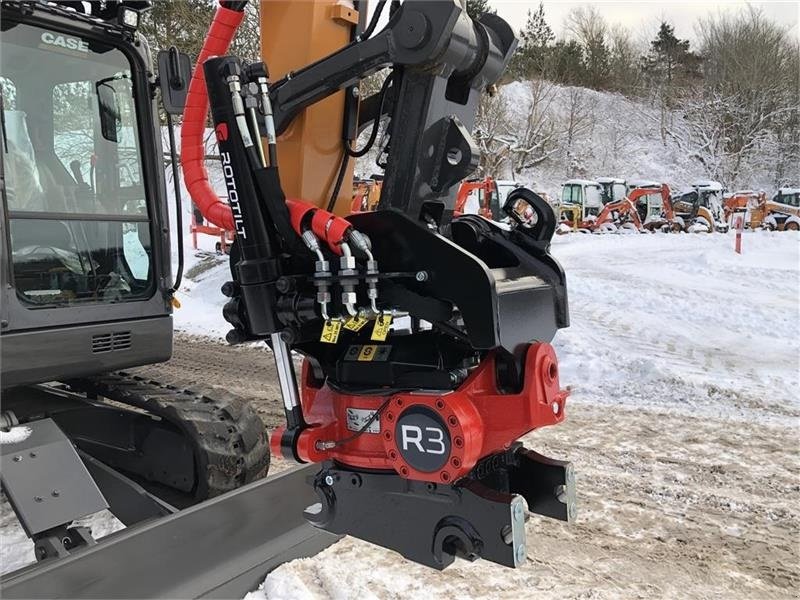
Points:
x=78 y=219
x=571 y=194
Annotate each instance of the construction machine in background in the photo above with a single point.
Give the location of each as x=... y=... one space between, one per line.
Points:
x=634 y=212
x=743 y=202
x=484 y=197
x=578 y=205
x=413 y=429
x=366 y=193
x=614 y=189
x=700 y=209
x=781 y=213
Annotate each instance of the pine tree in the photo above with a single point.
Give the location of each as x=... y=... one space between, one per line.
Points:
x=669 y=58
x=567 y=63
x=475 y=8
x=535 y=42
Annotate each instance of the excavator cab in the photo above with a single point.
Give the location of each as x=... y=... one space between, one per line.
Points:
x=87 y=288
x=614 y=189
x=86 y=248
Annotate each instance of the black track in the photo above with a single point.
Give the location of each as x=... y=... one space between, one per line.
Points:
x=228 y=438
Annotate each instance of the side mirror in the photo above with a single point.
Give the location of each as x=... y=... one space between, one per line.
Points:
x=174 y=74
x=531 y=214
x=109 y=110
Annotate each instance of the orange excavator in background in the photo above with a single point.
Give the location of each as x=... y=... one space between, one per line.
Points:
x=366 y=194
x=478 y=197
x=631 y=213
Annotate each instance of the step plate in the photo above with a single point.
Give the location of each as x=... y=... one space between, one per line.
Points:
x=45 y=479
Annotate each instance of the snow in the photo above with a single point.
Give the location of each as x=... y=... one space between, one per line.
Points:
x=664 y=324
x=15 y=435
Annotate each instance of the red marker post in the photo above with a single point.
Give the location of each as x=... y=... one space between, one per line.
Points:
x=739 y=224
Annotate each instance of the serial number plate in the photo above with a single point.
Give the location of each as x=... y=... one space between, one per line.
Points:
x=358 y=417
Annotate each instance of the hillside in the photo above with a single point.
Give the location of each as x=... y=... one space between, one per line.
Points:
x=542 y=133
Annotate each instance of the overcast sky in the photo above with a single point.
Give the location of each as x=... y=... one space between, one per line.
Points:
x=646 y=14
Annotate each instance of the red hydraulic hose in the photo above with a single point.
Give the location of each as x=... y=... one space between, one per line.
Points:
x=218 y=39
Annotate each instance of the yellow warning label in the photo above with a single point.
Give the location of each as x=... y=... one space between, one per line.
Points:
x=367 y=353
x=355 y=323
x=331 y=331
x=382 y=325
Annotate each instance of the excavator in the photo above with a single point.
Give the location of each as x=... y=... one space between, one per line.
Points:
x=478 y=196
x=633 y=213
x=366 y=194
x=413 y=428
x=88 y=295
x=407 y=435
x=484 y=197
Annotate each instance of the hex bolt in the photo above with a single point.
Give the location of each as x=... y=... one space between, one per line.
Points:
x=328 y=479
x=421 y=276
x=33 y=454
x=17 y=458
x=38 y=498
x=56 y=493
x=518 y=512
x=521 y=553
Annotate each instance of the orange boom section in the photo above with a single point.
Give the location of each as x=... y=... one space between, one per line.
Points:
x=311 y=149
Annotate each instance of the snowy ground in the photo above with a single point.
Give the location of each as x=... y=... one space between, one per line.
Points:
x=682 y=425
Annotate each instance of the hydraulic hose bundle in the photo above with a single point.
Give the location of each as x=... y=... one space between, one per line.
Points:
x=228 y=17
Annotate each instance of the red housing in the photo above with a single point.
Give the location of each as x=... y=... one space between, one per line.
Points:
x=479 y=418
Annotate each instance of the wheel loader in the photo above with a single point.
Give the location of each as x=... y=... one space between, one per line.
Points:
x=410 y=434
x=700 y=209
x=781 y=213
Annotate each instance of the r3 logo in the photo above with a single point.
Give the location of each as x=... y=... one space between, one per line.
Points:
x=411 y=434
x=422 y=439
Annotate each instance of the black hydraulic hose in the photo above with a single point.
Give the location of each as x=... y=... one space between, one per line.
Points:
x=340 y=177
x=178 y=203
x=237 y=5
x=348 y=151
x=376 y=16
x=376 y=123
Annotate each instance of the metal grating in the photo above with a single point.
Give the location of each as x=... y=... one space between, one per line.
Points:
x=111 y=342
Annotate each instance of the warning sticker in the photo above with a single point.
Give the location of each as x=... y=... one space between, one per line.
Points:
x=355 y=323
x=358 y=417
x=381 y=329
x=331 y=331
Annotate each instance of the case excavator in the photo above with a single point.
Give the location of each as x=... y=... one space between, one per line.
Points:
x=424 y=336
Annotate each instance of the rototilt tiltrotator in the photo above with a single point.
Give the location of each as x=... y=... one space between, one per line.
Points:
x=424 y=337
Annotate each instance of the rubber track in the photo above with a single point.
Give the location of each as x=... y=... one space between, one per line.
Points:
x=229 y=439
